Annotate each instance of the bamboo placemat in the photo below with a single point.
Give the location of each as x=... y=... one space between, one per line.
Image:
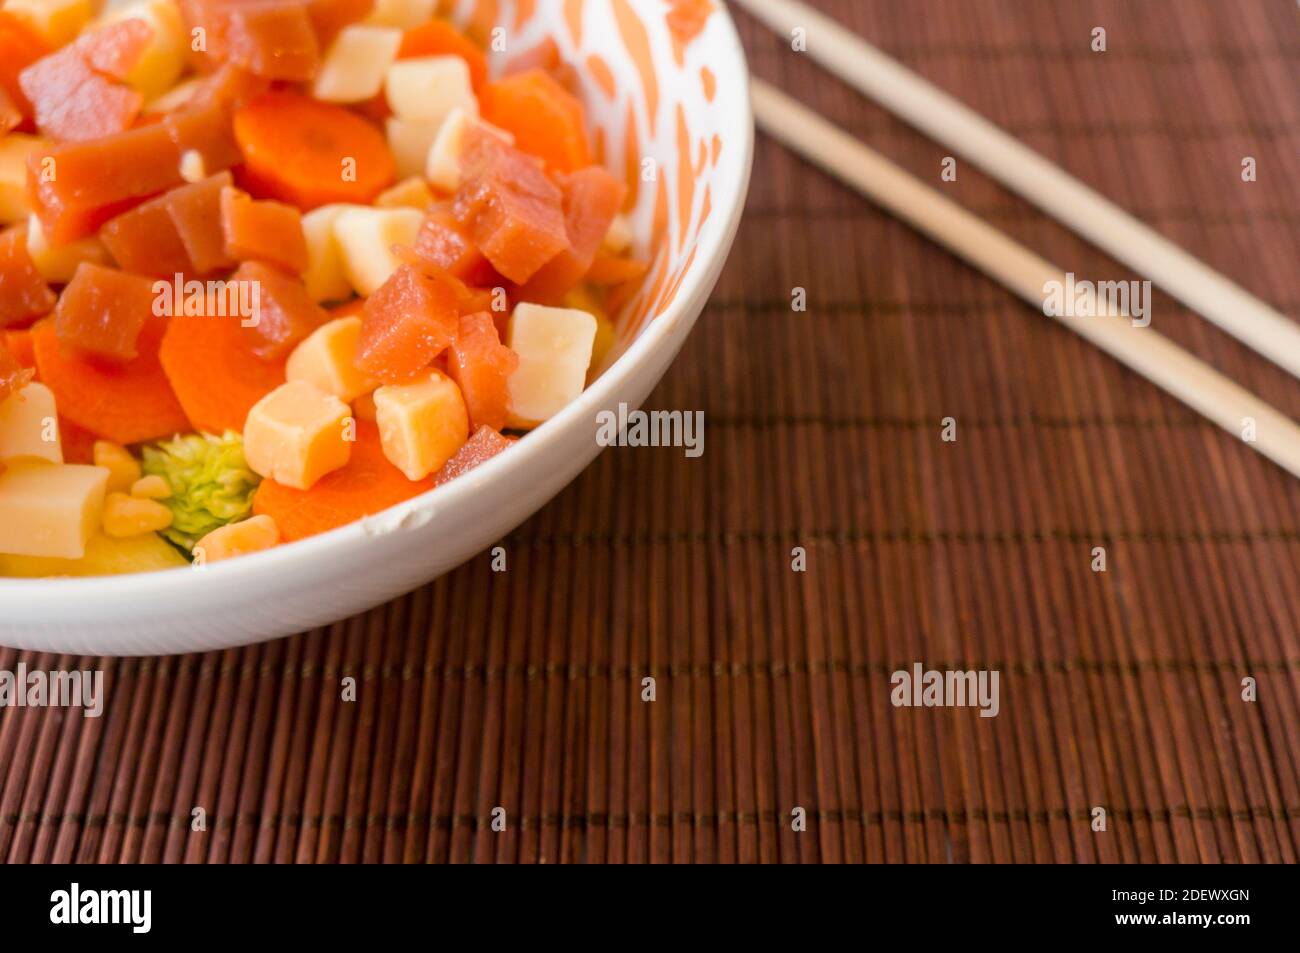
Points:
x=1120 y=690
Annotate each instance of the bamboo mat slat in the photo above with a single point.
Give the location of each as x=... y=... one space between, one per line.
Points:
x=522 y=690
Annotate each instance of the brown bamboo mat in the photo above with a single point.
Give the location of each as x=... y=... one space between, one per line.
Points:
x=1119 y=689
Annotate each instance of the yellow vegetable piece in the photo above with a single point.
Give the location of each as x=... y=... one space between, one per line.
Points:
x=58 y=263
x=131 y=515
x=164 y=58
x=123 y=469
x=326 y=359
x=421 y=424
x=104 y=556
x=296 y=434
x=409 y=193
x=237 y=539
x=49 y=509
x=14 y=149
x=151 y=487
x=29 y=425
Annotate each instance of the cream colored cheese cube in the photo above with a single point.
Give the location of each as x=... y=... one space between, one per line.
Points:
x=366 y=237
x=409 y=140
x=50 y=509
x=163 y=60
x=402 y=13
x=443 y=165
x=356 y=63
x=14 y=149
x=174 y=98
x=554 y=347
x=619 y=237
x=422 y=424
x=325 y=278
x=428 y=88
x=58 y=263
x=325 y=359
x=296 y=434
x=409 y=193
x=238 y=539
x=29 y=425
x=57 y=21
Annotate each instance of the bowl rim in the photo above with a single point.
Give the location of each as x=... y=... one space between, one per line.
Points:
x=714 y=241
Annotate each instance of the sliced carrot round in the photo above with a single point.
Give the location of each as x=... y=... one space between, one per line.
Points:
x=309 y=153
x=126 y=402
x=440 y=38
x=214 y=372
x=367 y=485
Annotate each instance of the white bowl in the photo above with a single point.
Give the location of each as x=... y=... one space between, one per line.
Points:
x=318 y=580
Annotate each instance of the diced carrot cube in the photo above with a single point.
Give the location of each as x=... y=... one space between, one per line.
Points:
x=442 y=243
x=546 y=119
x=272 y=40
x=328 y=17
x=73 y=102
x=481 y=365
x=408 y=322
x=485 y=444
x=440 y=38
x=20 y=47
x=285 y=312
x=592 y=197
x=609 y=269
x=115 y=49
x=509 y=208
x=195 y=210
x=23 y=292
x=14 y=376
x=205 y=129
x=11 y=117
x=265 y=231
x=21 y=346
x=76 y=187
x=102 y=311
x=145 y=241
x=230 y=86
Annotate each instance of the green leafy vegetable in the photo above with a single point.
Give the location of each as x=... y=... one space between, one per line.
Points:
x=211 y=483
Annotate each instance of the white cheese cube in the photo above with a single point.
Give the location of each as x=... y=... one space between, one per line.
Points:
x=402 y=13
x=409 y=140
x=354 y=66
x=554 y=347
x=443 y=166
x=366 y=237
x=296 y=434
x=429 y=88
x=326 y=359
x=50 y=509
x=29 y=425
x=422 y=424
x=324 y=277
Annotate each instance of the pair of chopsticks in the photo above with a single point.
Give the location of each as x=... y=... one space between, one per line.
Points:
x=1024 y=171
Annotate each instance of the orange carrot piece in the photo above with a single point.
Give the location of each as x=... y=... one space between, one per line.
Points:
x=286 y=312
x=368 y=484
x=305 y=152
x=115 y=49
x=483 y=446
x=20 y=346
x=73 y=102
x=102 y=310
x=546 y=119
x=205 y=129
x=213 y=370
x=442 y=242
x=406 y=323
x=20 y=47
x=263 y=231
x=24 y=294
x=440 y=38
x=509 y=208
x=11 y=117
x=84 y=184
x=592 y=197
x=78 y=442
x=480 y=364
x=274 y=40
x=195 y=211
x=229 y=86
x=14 y=374
x=145 y=241
x=608 y=270
x=125 y=403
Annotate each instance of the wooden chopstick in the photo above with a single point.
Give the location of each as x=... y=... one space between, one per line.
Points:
x=1146 y=351
x=1021 y=169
